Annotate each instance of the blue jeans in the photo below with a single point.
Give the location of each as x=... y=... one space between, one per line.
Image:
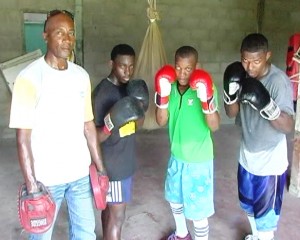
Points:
x=79 y=201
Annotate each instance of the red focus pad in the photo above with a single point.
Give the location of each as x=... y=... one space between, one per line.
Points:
x=100 y=184
x=36 y=210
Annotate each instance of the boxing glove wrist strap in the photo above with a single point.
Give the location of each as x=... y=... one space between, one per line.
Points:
x=271 y=111
x=210 y=106
x=161 y=102
x=229 y=100
x=106 y=130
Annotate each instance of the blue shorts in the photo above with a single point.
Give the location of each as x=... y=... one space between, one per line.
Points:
x=191 y=184
x=261 y=197
x=119 y=191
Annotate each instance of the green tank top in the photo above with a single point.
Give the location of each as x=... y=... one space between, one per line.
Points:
x=190 y=137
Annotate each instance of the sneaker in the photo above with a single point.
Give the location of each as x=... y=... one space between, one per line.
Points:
x=173 y=236
x=251 y=237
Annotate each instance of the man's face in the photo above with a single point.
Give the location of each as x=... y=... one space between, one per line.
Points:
x=60 y=36
x=184 y=66
x=255 y=63
x=123 y=67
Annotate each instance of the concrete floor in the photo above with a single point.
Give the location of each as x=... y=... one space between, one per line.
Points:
x=149 y=216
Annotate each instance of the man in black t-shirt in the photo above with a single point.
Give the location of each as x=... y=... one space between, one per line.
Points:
x=117 y=116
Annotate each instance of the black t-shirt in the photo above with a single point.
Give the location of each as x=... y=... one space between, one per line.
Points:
x=118 y=153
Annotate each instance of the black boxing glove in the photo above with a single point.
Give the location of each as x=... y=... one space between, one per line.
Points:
x=233 y=75
x=254 y=93
x=138 y=88
x=122 y=116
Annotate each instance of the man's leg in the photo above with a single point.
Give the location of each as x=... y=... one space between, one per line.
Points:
x=104 y=221
x=180 y=221
x=198 y=192
x=245 y=190
x=267 y=206
x=201 y=229
x=253 y=225
x=81 y=211
x=261 y=197
x=173 y=194
x=114 y=216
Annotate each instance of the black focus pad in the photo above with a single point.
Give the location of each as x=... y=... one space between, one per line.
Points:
x=138 y=88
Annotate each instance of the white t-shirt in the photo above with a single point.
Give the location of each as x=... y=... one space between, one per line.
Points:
x=54 y=105
x=263 y=163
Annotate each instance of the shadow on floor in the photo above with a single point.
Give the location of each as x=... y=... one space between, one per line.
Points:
x=149 y=216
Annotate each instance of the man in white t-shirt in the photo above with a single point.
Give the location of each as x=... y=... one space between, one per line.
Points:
x=56 y=137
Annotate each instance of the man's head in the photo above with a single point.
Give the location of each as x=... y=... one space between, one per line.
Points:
x=255 y=55
x=59 y=34
x=122 y=62
x=186 y=59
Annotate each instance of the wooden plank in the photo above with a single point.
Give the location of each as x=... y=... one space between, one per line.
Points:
x=10 y=69
x=294 y=187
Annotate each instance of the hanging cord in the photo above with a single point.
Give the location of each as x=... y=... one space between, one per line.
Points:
x=260 y=14
x=295 y=75
x=296 y=58
x=152 y=14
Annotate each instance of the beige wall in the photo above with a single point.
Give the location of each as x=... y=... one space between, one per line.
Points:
x=214 y=27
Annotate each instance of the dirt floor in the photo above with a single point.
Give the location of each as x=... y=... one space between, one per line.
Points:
x=149 y=216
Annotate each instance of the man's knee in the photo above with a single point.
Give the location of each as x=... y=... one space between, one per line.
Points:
x=117 y=214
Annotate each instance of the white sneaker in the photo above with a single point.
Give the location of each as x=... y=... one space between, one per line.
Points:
x=251 y=237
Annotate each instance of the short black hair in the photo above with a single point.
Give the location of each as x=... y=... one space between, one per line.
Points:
x=55 y=12
x=254 y=42
x=186 y=51
x=121 y=49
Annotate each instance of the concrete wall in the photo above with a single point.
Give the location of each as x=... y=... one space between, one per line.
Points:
x=214 y=27
x=282 y=19
x=12 y=44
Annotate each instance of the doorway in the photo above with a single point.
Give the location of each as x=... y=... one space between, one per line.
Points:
x=33 y=32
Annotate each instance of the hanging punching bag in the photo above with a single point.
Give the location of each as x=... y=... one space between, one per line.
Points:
x=292 y=66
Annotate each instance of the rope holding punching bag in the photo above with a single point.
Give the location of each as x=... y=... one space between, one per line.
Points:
x=152 y=56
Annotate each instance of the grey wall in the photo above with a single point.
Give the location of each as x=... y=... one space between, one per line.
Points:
x=214 y=27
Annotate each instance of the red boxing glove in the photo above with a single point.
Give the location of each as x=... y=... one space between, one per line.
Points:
x=163 y=79
x=201 y=81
